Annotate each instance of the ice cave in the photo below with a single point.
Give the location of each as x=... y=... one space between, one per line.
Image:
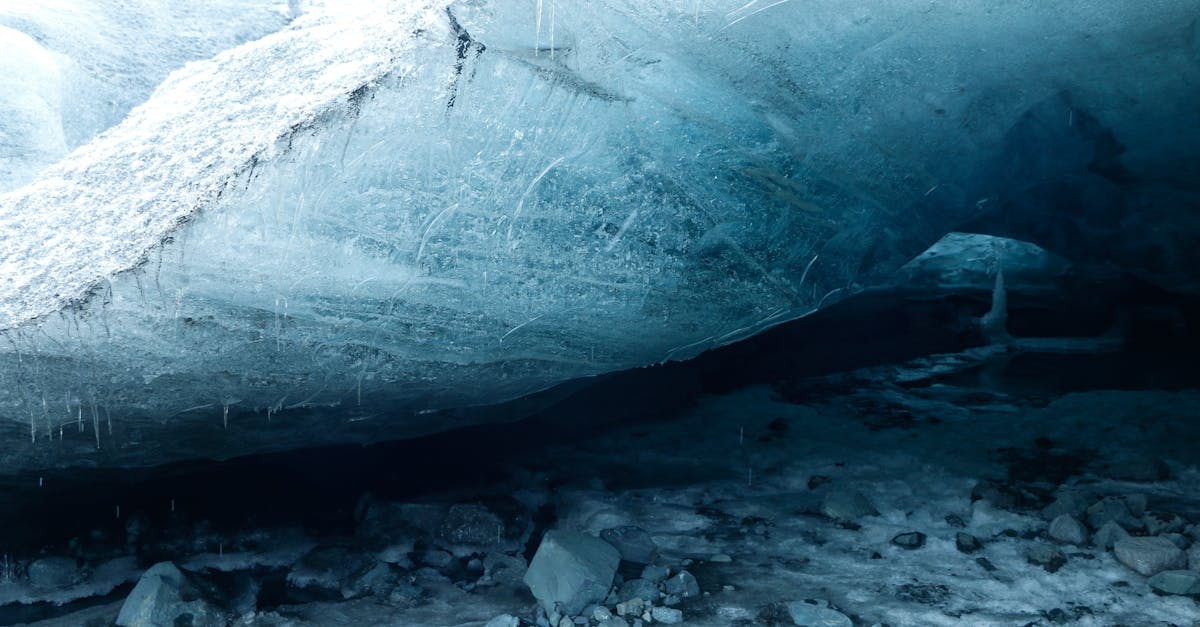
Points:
x=599 y=313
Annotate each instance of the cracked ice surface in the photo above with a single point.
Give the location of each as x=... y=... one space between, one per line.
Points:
x=394 y=207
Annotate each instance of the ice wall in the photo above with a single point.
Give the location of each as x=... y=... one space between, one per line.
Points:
x=390 y=210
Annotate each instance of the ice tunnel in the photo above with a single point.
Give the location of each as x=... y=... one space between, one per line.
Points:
x=347 y=226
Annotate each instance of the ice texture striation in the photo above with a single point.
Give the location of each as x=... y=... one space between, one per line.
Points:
x=392 y=208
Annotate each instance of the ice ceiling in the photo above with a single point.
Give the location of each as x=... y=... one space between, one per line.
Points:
x=385 y=209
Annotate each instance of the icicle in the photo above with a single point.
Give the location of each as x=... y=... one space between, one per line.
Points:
x=118 y=512
x=553 y=4
x=537 y=36
x=79 y=418
x=96 y=427
x=41 y=481
x=108 y=418
x=225 y=415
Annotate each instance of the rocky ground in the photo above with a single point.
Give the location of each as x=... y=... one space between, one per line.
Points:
x=941 y=492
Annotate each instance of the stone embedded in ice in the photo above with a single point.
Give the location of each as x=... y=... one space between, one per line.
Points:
x=909 y=540
x=666 y=615
x=570 y=571
x=816 y=614
x=1108 y=534
x=1048 y=557
x=1066 y=529
x=682 y=584
x=1182 y=582
x=165 y=596
x=633 y=543
x=966 y=543
x=1149 y=555
x=846 y=504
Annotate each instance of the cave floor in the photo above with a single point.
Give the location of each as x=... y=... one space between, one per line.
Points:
x=736 y=491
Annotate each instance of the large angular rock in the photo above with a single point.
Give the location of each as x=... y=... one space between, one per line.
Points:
x=164 y=597
x=1067 y=530
x=1184 y=582
x=846 y=504
x=1149 y=555
x=570 y=571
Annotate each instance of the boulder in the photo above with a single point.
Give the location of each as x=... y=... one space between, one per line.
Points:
x=164 y=596
x=846 y=504
x=911 y=540
x=1108 y=534
x=1067 y=530
x=816 y=614
x=1183 y=582
x=570 y=571
x=633 y=543
x=1149 y=555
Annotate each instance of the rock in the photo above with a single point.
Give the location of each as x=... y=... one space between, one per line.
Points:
x=1184 y=582
x=1179 y=540
x=406 y=596
x=504 y=569
x=966 y=543
x=998 y=494
x=1069 y=503
x=1112 y=509
x=1108 y=535
x=655 y=573
x=53 y=572
x=986 y=564
x=571 y=570
x=327 y=572
x=666 y=615
x=1193 y=555
x=504 y=620
x=956 y=521
x=639 y=589
x=846 y=504
x=683 y=585
x=471 y=524
x=1136 y=503
x=1067 y=530
x=1150 y=555
x=816 y=614
x=377 y=580
x=613 y=622
x=633 y=543
x=158 y=600
x=1046 y=556
x=910 y=541
x=1158 y=523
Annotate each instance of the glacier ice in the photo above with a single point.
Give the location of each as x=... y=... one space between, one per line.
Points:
x=392 y=208
x=71 y=68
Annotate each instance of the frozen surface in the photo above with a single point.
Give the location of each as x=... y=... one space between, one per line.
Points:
x=730 y=490
x=73 y=68
x=392 y=208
